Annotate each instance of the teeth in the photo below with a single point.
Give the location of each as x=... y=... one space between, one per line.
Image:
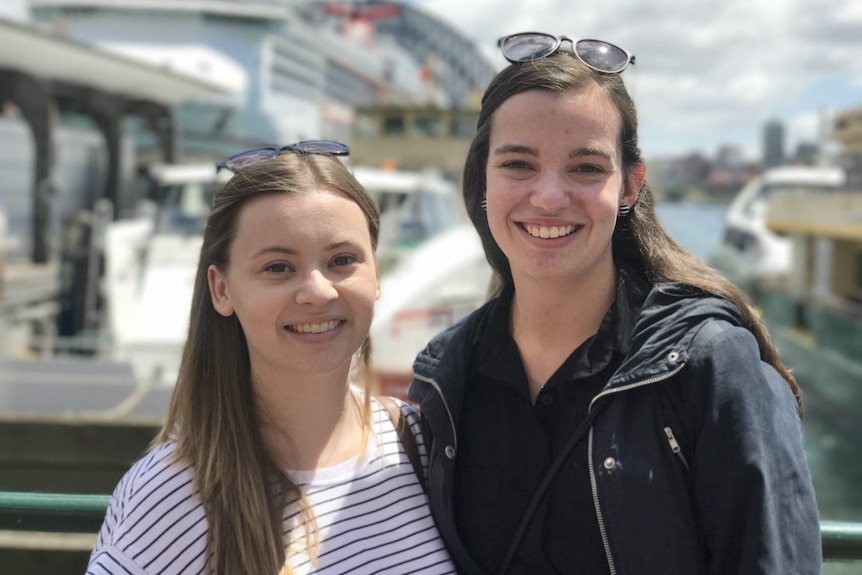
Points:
x=548 y=231
x=314 y=327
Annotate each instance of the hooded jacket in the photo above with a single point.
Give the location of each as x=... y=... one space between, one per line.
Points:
x=695 y=447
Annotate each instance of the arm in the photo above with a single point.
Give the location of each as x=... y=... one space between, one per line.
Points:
x=752 y=485
x=155 y=523
x=112 y=561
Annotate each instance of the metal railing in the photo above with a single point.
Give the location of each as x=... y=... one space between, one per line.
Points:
x=65 y=513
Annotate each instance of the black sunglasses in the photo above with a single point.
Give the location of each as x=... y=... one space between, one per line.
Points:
x=599 y=55
x=322 y=147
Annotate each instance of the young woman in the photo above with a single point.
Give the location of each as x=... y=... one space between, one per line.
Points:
x=269 y=460
x=616 y=407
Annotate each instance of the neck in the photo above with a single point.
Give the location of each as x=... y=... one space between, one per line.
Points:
x=552 y=309
x=309 y=423
x=552 y=318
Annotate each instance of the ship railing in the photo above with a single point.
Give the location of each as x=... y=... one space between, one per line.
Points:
x=76 y=513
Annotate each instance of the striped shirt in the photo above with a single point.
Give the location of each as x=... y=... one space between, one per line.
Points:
x=371 y=512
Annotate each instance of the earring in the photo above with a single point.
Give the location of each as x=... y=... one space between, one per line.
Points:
x=624 y=210
x=485 y=204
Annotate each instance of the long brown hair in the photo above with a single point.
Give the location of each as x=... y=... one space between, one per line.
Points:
x=213 y=415
x=640 y=243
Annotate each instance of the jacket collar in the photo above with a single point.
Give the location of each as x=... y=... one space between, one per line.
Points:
x=660 y=340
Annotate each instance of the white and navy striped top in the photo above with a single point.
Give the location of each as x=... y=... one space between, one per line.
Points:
x=372 y=515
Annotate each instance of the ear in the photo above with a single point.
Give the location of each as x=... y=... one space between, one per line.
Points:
x=219 y=292
x=635 y=179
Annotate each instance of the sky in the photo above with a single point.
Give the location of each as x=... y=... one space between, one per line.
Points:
x=708 y=73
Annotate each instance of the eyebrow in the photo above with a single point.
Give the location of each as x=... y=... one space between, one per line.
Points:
x=292 y=252
x=515 y=149
x=580 y=152
x=591 y=151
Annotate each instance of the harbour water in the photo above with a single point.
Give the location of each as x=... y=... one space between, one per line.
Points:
x=833 y=444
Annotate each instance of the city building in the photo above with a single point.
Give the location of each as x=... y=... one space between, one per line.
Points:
x=773 y=144
x=847 y=131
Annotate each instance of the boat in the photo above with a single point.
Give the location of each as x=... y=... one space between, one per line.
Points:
x=816 y=309
x=814 y=315
x=438 y=283
x=150 y=265
x=749 y=250
x=414 y=206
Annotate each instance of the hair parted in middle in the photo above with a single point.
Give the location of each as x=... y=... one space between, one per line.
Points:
x=213 y=415
x=639 y=241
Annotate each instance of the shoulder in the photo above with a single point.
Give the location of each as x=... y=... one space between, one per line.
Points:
x=391 y=412
x=460 y=334
x=728 y=376
x=154 y=509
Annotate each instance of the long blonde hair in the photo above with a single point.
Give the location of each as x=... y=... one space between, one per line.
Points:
x=213 y=416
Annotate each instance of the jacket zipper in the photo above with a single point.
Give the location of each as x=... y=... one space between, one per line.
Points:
x=674 y=446
x=593 y=485
x=599 y=516
x=434 y=384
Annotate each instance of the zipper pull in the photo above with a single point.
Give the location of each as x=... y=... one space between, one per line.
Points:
x=674 y=446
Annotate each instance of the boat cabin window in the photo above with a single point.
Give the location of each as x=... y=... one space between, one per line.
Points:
x=408 y=218
x=185 y=208
x=429 y=126
x=393 y=125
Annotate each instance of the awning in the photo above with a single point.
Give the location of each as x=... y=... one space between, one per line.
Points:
x=28 y=50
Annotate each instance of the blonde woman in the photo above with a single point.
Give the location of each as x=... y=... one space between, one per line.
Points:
x=269 y=460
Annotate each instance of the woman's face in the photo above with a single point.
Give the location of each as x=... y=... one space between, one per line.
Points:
x=555 y=181
x=302 y=281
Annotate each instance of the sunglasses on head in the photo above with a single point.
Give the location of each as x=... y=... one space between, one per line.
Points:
x=599 y=55
x=322 y=147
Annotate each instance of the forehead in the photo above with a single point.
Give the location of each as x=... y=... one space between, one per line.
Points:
x=295 y=217
x=541 y=115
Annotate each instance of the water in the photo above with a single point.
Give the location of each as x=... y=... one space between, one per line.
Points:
x=698 y=227
x=833 y=449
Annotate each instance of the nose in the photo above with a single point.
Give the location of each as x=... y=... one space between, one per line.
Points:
x=315 y=288
x=551 y=193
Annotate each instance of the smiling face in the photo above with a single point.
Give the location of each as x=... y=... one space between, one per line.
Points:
x=555 y=181
x=302 y=280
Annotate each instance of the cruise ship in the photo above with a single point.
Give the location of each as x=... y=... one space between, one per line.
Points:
x=298 y=68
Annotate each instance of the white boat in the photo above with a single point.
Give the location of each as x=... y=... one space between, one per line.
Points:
x=150 y=264
x=414 y=206
x=440 y=282
x=748 y=249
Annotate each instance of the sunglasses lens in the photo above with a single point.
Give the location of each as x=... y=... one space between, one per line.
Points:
x=526 y=47
x=325 y=147
x=602 y=56
x=250 y=157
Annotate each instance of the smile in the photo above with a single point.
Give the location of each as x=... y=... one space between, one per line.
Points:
x=314 y=327
x=548 y=232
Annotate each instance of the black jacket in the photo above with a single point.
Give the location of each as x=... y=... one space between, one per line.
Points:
x=695 y=445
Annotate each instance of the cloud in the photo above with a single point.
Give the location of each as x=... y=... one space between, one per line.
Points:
x=704 y=70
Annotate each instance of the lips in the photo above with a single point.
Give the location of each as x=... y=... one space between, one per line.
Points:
x=314 y=327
